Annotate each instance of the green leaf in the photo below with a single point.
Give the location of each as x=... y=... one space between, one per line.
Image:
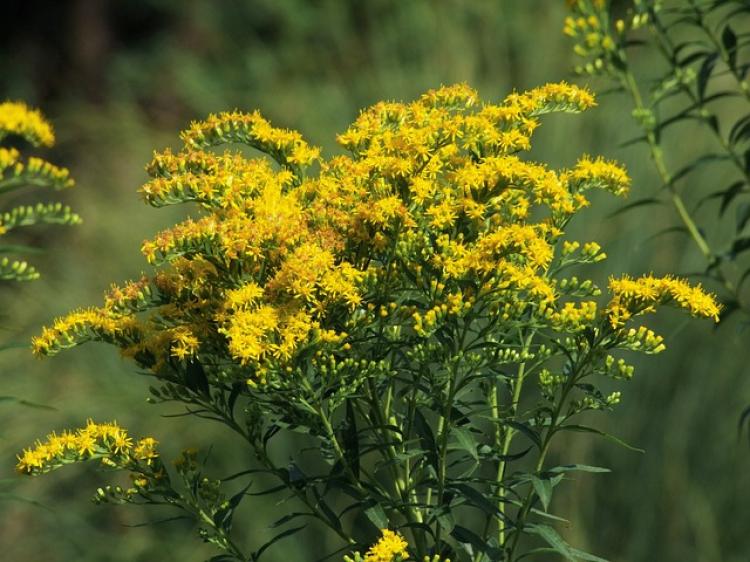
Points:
x=288 y=533
x=705 y=73
x=350 y=440
x=477 y=499
x=465 y=442
x=223 y=517
x=7 y=496
x=444 y=516
x=696 y=163
x=195 y=377
x=543 y=490
x=577 y=468
x=20 y=249
x=552 y=538
x=289 y=517
x=472 y=542
x=377 y=516
x=426 y=438
x=326 y=509
x=27 y=403
x=587 y=429
x=742 y=216
x=740 y=130
x=738 y=246
x=527 y=431
x=671 y=230
x=636 y=204
x=729 y=194
x=729 y=42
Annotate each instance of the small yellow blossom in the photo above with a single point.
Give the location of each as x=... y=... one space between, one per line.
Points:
x=390 y=548
x=16 y=118
x=632 y=297
x=107 y=442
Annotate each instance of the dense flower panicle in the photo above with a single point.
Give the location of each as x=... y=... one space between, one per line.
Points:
x=432 y=200
x=287 y=147
x=19 y=120
x=106 y=442
x=632 y=297
x=599 y=173
x=17 y=171
x=552 y=97
x=16 y=118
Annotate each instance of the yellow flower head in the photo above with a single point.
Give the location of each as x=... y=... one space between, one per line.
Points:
x=390 y=548
x=16 y=118
x=107 y=442
x=632 y=297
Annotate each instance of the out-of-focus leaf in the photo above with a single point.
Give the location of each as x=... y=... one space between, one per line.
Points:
x=739 y=245
x=729 y=194
x=27 y=403
x=288 y=533
x=696 y=163
x=636 y=204
x=740 y=130
x=587 y=429
x=729 y=42
x=705 y=73
x=670 y=230
x=577 y=468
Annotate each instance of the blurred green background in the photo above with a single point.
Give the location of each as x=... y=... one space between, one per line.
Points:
x=120 y=79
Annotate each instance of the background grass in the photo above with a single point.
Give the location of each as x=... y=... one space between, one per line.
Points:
x=119 y=79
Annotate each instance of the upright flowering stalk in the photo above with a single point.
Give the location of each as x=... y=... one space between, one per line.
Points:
x=697 y=61
x=19 y=122
x=406 y=306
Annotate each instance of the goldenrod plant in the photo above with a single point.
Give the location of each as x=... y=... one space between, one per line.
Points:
x=701 y=56
x=19 y=122
x=412 y=308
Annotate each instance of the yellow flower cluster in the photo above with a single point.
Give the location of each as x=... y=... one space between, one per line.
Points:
x=433 y=199
x=631 y=297
x=390 y=548
x=287 y=146
x=16 y=118
x=599 y=173
x=106 y=442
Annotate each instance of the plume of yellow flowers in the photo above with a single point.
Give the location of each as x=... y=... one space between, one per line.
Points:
x=106 y=442
x=16 y=118
x=280 y=260
x=632 y=297
x=16 y=171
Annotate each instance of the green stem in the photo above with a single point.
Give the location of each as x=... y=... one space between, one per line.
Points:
x=507 y=440
x=657 y=155
x=401 y=482
x=575 y=376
